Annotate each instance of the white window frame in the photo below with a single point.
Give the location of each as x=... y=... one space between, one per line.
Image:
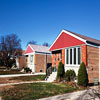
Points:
x=72 y=56
x=31 y=59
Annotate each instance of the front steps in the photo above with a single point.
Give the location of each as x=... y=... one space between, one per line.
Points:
x=52 y=77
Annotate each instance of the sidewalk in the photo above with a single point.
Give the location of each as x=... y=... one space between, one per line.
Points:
x=23 y=82
x=67 y=96
x=17 y=75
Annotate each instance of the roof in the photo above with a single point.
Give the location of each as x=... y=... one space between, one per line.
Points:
x=85 y=37
x=67 y=38
x=38 y=48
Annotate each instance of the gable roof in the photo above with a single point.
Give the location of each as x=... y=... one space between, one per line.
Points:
x=38 y=48
x=86 y=38
x=29 y=50
x=72 y=39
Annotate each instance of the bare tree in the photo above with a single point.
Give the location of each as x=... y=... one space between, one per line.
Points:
x=32 y=42
x=46 y=44
x=8 y=49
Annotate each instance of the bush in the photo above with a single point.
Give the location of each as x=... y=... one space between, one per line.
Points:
x=27 y=69
x=60 y=71
x=82 y=75
x=70 y=75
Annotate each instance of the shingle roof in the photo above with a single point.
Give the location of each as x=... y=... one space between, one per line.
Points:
x=38 y=48
x=86 y=38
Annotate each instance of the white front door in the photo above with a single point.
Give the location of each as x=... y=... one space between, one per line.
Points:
x=31 y=63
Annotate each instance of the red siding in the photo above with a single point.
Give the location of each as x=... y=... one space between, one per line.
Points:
x=28 y=50
x=65 y=40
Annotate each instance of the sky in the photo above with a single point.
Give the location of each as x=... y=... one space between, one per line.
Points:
x=43 y=20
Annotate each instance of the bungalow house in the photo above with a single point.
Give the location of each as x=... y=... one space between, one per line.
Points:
x=38 y=58
x=72 y=49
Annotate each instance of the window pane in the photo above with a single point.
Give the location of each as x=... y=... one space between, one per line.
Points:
x=67 y=56
x=79 y=56
x=70 y=56
x=74 y=55
x=31 y=58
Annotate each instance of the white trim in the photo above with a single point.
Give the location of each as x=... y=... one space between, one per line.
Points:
x=69 y=55
x=27 y=48
x=30 y=53
x=99 y=63
x=31 y=48
x=76 y=55
x=69 y=33
x=69 y=47
x=74 y=35
x=42 y=53
x=72 y=56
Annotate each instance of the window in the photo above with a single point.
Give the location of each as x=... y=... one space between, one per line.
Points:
x=31 y=59
x=70 y=56
x=73 y=56
x=79 y=56
x=67 y=56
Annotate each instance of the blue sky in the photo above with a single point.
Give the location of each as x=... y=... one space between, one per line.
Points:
x=42 y=20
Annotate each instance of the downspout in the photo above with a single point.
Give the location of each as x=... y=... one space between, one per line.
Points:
x=46 y=63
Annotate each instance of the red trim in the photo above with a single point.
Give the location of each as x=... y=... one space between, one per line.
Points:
x=65 y=40
x=28 y=50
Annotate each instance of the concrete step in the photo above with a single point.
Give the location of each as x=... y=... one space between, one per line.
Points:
x=52 y=77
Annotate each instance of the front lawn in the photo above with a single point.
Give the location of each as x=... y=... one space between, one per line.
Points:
x=22 y=78
x=35 y=91
x=8 y=72
x=30 y=78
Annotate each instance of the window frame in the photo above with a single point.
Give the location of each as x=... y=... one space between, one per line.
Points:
x=31 y=59
x=69 y=49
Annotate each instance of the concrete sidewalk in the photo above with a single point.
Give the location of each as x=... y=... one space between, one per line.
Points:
x=17 y=75
x=24 y=82
x=67 y=96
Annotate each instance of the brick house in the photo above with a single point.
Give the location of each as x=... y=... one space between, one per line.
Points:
x=72 y=49
x=38 y=58
x=20 y=60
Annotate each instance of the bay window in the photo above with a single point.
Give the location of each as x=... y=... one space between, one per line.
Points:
x=73 y=56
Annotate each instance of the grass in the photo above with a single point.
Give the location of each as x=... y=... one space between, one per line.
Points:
x=35 y=91
x=30 y=78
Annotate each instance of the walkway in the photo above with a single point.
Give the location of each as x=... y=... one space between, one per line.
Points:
x=23 y=82
x=17 y=75
x=67 y=96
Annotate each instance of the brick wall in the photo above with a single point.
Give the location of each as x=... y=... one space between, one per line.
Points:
x=56 y=57
x=84 y=54
x=22 y=62
x=93 y=63
x=63 y=56
x=40 y=62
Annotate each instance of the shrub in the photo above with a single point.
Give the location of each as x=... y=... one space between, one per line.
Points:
x=82 y=75
x=60 y=71
x=27 y=69
x=70 y=75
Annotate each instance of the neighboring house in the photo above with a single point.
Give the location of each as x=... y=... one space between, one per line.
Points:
x=38 y=58
x=20 y=60
x=72 y=49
